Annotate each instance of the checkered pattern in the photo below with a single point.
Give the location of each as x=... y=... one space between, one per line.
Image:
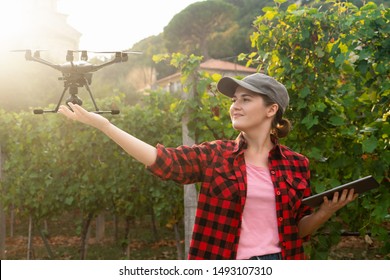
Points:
x=220 y=167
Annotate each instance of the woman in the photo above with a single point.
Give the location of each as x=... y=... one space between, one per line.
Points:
x=249 y=205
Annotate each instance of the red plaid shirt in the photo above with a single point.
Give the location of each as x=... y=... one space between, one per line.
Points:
x=220 y=167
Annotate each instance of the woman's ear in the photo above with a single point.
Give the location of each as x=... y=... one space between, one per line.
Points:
x=272 y=110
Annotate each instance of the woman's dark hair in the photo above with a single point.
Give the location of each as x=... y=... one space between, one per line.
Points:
x=280 y=126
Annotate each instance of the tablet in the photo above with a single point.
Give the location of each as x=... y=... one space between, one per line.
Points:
x=360 y=186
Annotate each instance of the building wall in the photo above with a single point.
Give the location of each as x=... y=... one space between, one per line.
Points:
x=213 y=66
x=32 y=24
x=36 y=24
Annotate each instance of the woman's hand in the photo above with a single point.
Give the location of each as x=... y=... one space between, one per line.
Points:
x=329 y=207
x=83 y=116
x=311 y=223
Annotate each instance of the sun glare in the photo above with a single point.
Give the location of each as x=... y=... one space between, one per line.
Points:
x=11 y=25
x=19 y=24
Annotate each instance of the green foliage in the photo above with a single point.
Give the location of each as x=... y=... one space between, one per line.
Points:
x=24 y=84
x=336 y=67
x=53 y=165
x=191 y=30
x=209 y=118
x=335 y=64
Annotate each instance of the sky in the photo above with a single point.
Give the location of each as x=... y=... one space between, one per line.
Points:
x=105 y=25
x=119 y=24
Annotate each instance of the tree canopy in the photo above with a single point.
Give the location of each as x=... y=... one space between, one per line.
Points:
x=195 y=27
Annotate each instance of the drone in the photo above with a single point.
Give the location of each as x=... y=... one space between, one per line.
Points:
x=76 y=74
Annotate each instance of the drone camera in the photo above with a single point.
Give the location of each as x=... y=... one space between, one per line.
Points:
x=74 y=99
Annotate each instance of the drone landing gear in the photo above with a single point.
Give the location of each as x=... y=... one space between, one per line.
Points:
x=73 y=98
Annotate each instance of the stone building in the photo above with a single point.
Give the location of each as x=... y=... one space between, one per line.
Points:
x=225 y=68
x=37 y=24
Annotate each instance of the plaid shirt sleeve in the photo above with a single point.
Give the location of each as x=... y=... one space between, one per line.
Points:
x=183 y=165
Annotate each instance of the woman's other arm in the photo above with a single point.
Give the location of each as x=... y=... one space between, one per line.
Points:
x=311 y=223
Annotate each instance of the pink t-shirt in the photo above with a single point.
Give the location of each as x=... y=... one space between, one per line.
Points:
x=259 y=229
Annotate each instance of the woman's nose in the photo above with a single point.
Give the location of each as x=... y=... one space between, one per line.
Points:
x=235 y=105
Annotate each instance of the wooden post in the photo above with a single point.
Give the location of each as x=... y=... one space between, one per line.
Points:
x=190 y=193
x=2 y=217
x=2 y=232
x=100 y=227
x=30 y=239
x=190 y=199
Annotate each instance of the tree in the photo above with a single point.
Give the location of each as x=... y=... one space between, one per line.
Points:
x=191 y=30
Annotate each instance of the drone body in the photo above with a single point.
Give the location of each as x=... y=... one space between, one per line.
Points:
x=76 y=74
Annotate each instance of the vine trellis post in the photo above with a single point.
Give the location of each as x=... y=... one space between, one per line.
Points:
x=2 y=217
x=190 y=193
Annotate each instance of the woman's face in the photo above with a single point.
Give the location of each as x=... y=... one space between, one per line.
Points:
x=248 y=111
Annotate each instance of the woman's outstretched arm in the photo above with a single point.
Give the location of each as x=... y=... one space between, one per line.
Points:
x=136 y=148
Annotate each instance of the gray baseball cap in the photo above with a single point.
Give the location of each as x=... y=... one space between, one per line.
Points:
x=258 y=83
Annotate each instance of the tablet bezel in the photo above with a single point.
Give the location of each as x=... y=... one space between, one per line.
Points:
x=360 y=186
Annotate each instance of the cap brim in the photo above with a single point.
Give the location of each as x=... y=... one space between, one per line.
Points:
x=228 y=86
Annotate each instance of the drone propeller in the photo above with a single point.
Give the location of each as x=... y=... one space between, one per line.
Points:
x=127 y=52
x=133 y=52
x=120 y=56
x=20 y=50
x=84 y=54
x=26 y=50
x=29 y=53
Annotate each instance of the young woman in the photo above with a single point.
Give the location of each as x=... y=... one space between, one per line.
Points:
x=249 y=205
